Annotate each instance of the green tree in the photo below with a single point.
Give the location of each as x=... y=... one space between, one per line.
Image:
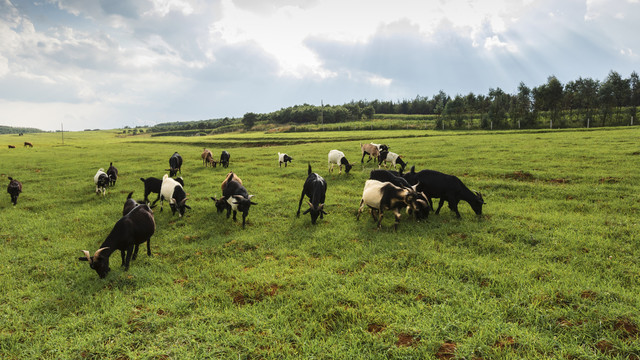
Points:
x=249 y=119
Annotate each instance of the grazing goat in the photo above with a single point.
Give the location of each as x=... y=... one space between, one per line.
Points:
x=154 y=185
x=112 y=172
x=393 y=158
x=238 y=198
x=422 y=208
x=380 y=196
x=28 y=144
x=101 y=179
x=369 y=149
x=134 y=228
x=224 y=158
x=393 y=177
x=175 y=164
x=14 y=189
x=284 y=158
x=207 y=158
x=315 y=187
x=173 y=192
x=12 y=146
x=221 y=203
x=448 y=188
x=336 y=157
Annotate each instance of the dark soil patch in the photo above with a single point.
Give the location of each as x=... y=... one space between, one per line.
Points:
x=605 y=347
x=610 y=180
x=627 y=328
x=375 y=328
x=559 y=181
x=446 y=351
x=505 y=342
x=407 y=340
x=588 y=294
x=520 y=176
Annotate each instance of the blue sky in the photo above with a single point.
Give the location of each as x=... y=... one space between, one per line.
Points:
x=113 y=63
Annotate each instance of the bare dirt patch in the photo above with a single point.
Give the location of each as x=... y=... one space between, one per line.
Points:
x=374 y=328
x=405 y=339
x=446 y=351
x=610 y=180
x=520 y=175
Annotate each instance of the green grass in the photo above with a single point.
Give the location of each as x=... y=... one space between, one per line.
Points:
x=549 y=271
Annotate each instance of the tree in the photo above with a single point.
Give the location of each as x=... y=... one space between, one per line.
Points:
x=249 y=119
x=523 y=106
x=634 y=84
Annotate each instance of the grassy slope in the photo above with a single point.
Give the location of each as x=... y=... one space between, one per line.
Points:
x=550 y=270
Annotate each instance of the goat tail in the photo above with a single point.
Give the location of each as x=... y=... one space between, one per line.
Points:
x=129 y=196
x=309 y=171
x=142 y=179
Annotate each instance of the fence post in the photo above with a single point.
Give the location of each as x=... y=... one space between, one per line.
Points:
x=550 y=124
x=588 y=122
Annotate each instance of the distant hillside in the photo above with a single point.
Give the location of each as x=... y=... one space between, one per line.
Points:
x=17 y=130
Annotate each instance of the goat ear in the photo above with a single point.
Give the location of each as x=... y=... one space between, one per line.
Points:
x=187 y=207
x=306 y=212
x=213 y=198
x=253 y=203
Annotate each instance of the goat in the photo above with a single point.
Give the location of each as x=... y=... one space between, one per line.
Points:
x=369 y=149
x=422 y=208
x=112 y=172
x=133 y=229
x=224 y=158
x=28 y=144
x=283 y=158
x=393 y=177
x=175 y=164
x=448 y=188
x=207 y=158
x=238 y=199
x=221 y=203
x=381 y=147
x=12 y=146
x=101 y=179
x=14 y=189
x=154 y=185
x=315 y=187
x=393 y=158
x=336 y=157
x=380 y=196
x=173 y=192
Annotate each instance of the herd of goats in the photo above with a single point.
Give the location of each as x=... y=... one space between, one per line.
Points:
x=385 y=190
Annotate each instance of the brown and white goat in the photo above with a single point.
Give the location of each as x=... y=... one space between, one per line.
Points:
x=221 y=203
x=381 y=196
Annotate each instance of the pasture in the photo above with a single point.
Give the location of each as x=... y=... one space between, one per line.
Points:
x=550 y=270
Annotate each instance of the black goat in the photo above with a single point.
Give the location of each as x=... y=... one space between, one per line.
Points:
x=154 y=185
x=133 y=229
x=224 y=158
x=112 y=173
x=175 y=164
x=448 y=188
x=391 y=176
x=14 y=189
x=238 y=198
x=315 y=187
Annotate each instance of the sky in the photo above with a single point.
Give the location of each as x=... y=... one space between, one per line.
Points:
x=105 y=64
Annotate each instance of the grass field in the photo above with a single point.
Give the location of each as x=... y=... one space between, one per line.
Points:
x=551 y=270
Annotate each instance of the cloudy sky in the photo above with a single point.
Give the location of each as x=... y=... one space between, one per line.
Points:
x=111 y=63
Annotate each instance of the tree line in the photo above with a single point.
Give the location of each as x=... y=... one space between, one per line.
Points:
x=578 y=103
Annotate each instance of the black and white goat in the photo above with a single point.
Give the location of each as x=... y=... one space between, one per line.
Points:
x=315 y=187
x=393 y=158
x=422 y=207
x=112 y=172
x=284 y=158
x=173 y=192
x=133 y=229
x=448 y=188
x=14 y=189
x=381 y=196
x=336 y=157
x=154 y=185
x=221 y=203
x=101 y=179
x=238 y=199
x=175 y=164
x=224 y=158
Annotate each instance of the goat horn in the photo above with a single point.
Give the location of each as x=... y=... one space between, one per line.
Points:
x=86 y=253
x=98 y=252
